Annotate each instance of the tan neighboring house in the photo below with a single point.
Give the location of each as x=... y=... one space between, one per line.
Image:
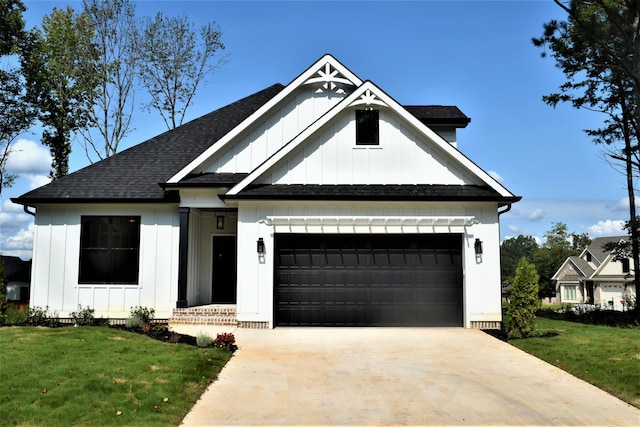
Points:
x=596 y=277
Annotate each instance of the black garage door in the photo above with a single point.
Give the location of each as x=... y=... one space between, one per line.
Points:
x=368 y=280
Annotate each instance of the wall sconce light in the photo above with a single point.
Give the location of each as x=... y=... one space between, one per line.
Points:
x=478 y=247
x=220 y=222
x=260 y=246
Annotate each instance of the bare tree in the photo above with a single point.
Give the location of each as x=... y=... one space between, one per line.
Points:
x=114 y=29
x=173 y=60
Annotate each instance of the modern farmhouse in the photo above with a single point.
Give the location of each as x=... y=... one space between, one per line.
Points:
x=324 y=202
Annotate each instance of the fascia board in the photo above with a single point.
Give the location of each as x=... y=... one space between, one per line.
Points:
x=297 y=140
x=390 y=103
x=445 y=145
x=602 y=265
x=561 y=269
x=262 y=111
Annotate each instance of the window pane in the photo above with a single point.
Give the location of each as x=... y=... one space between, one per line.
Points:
x=109 y=249
x=367 y=127
x=95 y=232
x=94 y=265
x=124 y=266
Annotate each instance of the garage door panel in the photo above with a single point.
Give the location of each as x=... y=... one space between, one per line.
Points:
x=368 y=280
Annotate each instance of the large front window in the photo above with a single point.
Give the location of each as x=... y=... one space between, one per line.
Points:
x=570 y=293
x=109 y=249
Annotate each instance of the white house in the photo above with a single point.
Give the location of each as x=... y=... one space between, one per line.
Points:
x=596 y=277
x=324 y=202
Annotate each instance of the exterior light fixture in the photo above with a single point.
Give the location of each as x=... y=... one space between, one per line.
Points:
x=220 y=222
x=260 y=246
x=478 y=247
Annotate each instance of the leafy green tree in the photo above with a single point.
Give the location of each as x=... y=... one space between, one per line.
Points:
x=173 y=60
x=62 y=80
x=114 y=32
x=16 y=114
x=558 y=245
x=524 y=300
x=598 y=50
x=512 y=250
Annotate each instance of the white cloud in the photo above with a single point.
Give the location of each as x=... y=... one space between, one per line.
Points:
x=31 y=161
x=28 y=157
x=536 y=215
x=606 y=228
x=495 y=175
x=19 y=244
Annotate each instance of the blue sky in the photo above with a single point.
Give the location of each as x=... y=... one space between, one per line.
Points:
x=477 y=55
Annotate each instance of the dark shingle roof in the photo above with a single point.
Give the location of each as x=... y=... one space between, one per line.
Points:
x=374 y=192
x=210 y=180
x=432 y=115
x=136 y=174
x=139 y=173
x=15 y=269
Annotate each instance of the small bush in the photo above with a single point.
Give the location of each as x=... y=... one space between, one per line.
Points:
x=83 y=317
x=145 y=314
x=15 y=316
x=133 y=322
x=39 y=316
x=226 y=341
x=204 y=340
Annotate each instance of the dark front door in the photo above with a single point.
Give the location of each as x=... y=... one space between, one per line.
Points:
x=589 y=286
x=368 y=280
x=224 y=270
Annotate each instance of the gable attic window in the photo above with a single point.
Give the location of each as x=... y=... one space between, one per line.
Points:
x=367 y=129
x=625 y=265
x=109 y=249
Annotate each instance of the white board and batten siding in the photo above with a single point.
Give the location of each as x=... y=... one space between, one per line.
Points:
x=57 y=252
x=402 y=157
x=256 y=274
x=262 y=140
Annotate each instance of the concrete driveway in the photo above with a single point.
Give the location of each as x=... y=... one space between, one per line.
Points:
x=393 y=376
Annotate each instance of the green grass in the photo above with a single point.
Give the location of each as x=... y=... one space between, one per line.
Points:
x=99 y=376
x=606 y=357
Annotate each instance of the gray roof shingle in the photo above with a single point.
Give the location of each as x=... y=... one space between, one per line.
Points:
x=139 y=174
x=135 y=174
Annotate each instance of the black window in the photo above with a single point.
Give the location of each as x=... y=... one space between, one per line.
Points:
x=367 y=132
x=109 y=249
x=625 y=265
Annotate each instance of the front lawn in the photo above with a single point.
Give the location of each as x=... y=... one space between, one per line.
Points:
x=99 y=376
x=606 y=357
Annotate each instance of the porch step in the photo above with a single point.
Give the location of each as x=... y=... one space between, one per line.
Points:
x=220 y=315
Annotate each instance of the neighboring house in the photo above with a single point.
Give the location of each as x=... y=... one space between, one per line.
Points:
x=596 y=277
x=323 y=202
x=18 y=275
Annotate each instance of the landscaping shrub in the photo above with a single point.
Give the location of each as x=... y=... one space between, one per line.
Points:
x=39 y=316
x=133 y=322
x=15 y=315
x=145 y=314
x=204 y=340
x=83 y=317
x=226 y=341
x=3 y=294
x=524 y=301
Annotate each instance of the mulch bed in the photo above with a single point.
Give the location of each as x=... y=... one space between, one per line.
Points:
x=160 y=332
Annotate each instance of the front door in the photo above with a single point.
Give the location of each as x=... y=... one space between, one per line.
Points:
x=223 y=278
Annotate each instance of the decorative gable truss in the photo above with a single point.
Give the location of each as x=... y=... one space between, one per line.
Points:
x=324 y=153
x=264 y=132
